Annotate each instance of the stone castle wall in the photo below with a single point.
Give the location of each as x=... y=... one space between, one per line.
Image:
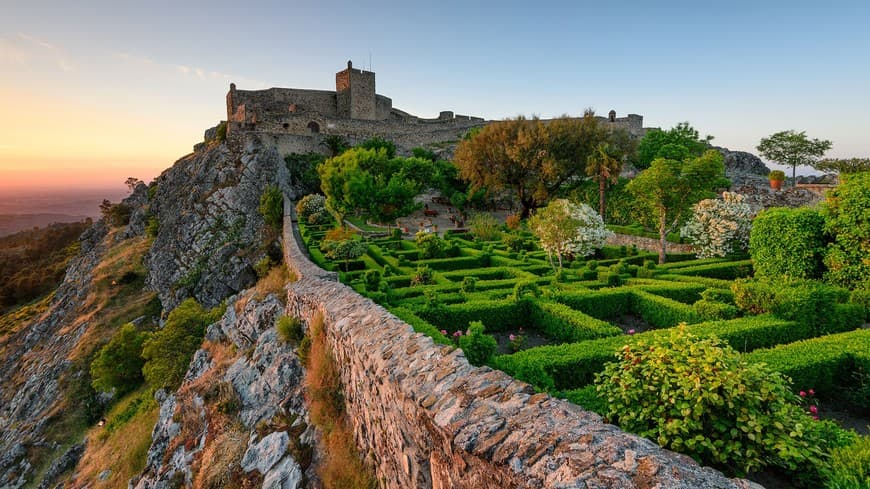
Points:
x=424 y=417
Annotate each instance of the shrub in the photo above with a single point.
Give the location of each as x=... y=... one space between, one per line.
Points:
x=469 y=284
x=272 y=206
x=290 y=329
x=523 y=288
x=661 y=312
x=849 y=466
x=431 y=245
x=116 y=214
x=787 y=243
x=719 y=227
x=119 y=363
x=152 y=226
x=484 y=227
x=512 y=222
x=566 y=228
x=862 y=297
x=372 y=279
x=514 y=242
x=168 y=352
x=717 y=408
x=311 y=209
x=709 y=310
x=345 y=250
x=477 y=346
x=727 y=270
x=847 y=213
x=420 y=325
x=754 y=296
x=587 y=398
x=422 y=276
x=263 y=266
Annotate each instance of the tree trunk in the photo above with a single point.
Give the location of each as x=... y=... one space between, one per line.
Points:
x=662 y=238
x=794 y=176
x=601 y=189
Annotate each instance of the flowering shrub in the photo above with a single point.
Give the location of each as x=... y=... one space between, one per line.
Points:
x=477 y=346
x=431 y=245
x=719 y=226
x=566 y=228
x=312 y=209
x=517 y=342
x=698 y=396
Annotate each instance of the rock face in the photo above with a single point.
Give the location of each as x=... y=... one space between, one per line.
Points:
x=242 y=395
x=209 y=230
x=33 y=359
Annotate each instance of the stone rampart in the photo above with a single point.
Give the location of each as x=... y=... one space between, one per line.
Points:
x=423 y=417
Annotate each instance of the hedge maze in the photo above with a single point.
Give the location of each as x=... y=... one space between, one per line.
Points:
x=584 y=314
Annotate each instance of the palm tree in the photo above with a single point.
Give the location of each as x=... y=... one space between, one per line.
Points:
x=335 y=144
x=604 y=164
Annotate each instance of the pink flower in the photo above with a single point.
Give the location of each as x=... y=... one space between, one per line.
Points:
x=512 y=337
x=444 y=332
x=457 y=334
x=631 y=331
x=816 y=418
x=814 y=409
x=802 y=394
x=812 y=392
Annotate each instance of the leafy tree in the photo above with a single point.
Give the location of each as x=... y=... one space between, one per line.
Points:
x=565 y=228
x=793 y=148
x=847 y=213
x=787 y=243
x=168 y=352
x=335 y=144
x=368 y=180
x=119 y=363
x=843 y=166
x=668 y=189
x=678 y=143
x=311 y=209
x=380 y=143
x=272 y=206
x=603 y=165
x=302 y=168
x=511 y=155
x=345 y=250
x=116 y=214
x=719 y=226
x=700 y=397
x=132 y=183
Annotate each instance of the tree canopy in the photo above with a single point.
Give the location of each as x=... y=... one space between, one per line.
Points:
x=793 y=148
x=677 y=143
x=566 y=228
x=667 y=190
x=844 y=165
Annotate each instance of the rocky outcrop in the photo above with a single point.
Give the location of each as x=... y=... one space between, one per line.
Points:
x=33 y=359
x=242 y=396
x=210 y=232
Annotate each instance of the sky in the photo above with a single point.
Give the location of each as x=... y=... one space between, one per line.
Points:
x=93 y=92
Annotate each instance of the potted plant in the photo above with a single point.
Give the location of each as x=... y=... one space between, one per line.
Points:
x=776 y=178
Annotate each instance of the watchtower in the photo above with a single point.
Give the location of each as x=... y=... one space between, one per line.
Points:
x=355 y=93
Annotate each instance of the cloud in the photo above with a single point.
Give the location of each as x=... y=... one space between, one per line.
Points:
x=37 y=41
x=60 y=59
x=11 y=53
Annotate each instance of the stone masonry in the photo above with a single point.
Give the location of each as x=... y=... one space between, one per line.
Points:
x=424 y=417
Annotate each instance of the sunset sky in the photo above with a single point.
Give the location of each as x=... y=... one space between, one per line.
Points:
x=93 y=92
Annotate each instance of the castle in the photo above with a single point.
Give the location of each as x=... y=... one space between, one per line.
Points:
x=297 y=120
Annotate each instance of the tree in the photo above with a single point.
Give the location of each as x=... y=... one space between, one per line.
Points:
x=793 y=148
x=678 y=143
x=843 y=166
x=566 y=228
x=345 y=250
x=668 y=189
x=132 y=183
x=719 y=226
x=603 y=165
x=847 y=219
x=119 y=363
x=335 y=144
x=272 y=207
x=380 y=143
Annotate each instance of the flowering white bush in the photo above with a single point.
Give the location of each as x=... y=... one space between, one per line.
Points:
x=719 y=226
x=312 y=209
x=566 y=228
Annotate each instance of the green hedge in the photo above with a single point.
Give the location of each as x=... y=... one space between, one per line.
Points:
x=709 y=282
x=420 y=325
x=686 y=293
x=602 y=304
x=564 y=324
x=725 y=271
x=788 y=243
x=824 y=364
x=573 y=365
x=449 y=264
x=662 y=312
x=495 y=315
x=587 y=398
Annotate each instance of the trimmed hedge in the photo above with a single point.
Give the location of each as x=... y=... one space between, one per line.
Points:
x=602 y=304
x=662 y=312
x=564 y=324
x=420 y=325
x=686 y=293
x=449 y=264
x=495 y=315
x=824 y=364
x=788 y=243
x=587 y=398
x=709 y=282
x=726 y=271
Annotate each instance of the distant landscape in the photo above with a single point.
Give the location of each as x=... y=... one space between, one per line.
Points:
x=22 y=209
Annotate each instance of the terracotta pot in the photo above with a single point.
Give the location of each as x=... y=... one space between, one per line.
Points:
x=776 y=184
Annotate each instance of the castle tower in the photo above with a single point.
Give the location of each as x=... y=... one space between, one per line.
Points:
x=355 y=93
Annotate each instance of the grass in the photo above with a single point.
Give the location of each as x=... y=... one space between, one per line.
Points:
x=341 y=467
x=361 y=223
x=12 y=320
x=122 y=445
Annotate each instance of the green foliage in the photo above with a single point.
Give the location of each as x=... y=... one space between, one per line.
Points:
x=776 y=175
x=377 y=143
x=587 y=398
x=311 y=210
x=221 y=131
x=793 y=148
x=847 y=218
x=335 y=143
x=514 y=241
x=521 y=289
x=115 y=214
x=168 y=352
x=119 y=363
x=422 y=276
x=484 y=227
x=290 y=329
x=844 y=166
x=862 y=298
x=302 y=168
x=469 y=284
x=431 y=245
x=729 y=270
x=849 y=466
x=787 y=243
x=423 y=153
x=477 y=346
x=272 y=206
x=698 y=396
x=668 y=189
x=662 y=312
x=496 y=315
x=677 y=143
x=345 y=250
x=152 y=226
x=709 y=310
x=262 y=267
x=564 y=324
x=420 y=325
